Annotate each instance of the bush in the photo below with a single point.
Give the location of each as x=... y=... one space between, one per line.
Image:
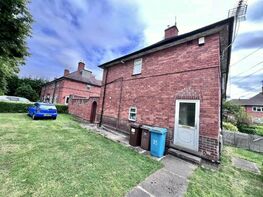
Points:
x=253 y=129
x=235 y=114
x=16 y=107
x=229 y=126
x=63 y=109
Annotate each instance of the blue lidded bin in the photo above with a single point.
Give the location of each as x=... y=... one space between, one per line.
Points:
x=158 y=136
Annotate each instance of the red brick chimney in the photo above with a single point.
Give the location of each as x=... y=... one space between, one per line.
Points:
x=170 y=32
x=81 y=66
x=66 y=72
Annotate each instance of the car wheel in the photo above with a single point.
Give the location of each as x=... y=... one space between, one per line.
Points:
x=54 y=118
x=34 y=117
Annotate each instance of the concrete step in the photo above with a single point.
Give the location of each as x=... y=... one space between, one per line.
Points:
x=185 y=156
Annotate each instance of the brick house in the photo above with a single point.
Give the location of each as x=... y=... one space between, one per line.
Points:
x=253 y=106
x=81 y=83
x=177 y=83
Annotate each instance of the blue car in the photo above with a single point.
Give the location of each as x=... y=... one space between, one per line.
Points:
x=42 y=110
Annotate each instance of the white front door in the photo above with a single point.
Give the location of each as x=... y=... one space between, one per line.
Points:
x=186 y=128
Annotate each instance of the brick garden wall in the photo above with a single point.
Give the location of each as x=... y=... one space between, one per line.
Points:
x=81 y=107
x=187 y=71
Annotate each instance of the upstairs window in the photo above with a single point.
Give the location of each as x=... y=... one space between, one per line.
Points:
x=137 y=68
x=132 y=113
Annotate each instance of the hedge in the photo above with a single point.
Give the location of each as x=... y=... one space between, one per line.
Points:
x=252 y=129
x=16 y=107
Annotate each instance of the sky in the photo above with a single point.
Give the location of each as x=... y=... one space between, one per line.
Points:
x=65 y=32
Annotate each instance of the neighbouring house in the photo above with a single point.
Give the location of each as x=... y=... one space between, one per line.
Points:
x=80 y=90
x=81 y=84
x=177 y=83
x=253 y=106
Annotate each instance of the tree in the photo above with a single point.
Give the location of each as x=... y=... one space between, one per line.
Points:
x=25 y=90
x=15 y=27
x=14 y=82
x=240 y=117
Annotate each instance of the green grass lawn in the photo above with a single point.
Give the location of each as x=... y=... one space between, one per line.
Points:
x=59 y=158
x=228 y=180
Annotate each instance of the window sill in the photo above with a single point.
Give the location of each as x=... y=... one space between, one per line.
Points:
x=131 y=120
x=136 y=74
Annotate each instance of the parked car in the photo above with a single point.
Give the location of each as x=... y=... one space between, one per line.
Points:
x=14 y=99
x=42 y=110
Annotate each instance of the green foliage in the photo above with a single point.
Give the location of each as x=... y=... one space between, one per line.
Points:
x=13 y=83
x=252 y=129
x=15 y=27
x=62 y=108
x=26 y=91
x=16 y=107
x=240 y=117
x=229 y=126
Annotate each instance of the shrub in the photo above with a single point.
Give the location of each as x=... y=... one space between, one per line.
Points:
x=62 y=108
x=229 y=126
x=246 y=129
x=16 y=107
x=235 y=114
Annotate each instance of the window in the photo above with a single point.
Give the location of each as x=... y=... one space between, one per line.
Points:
x=132 y=113
x=257 y=109
x=66 y=100
x=187 y=114
x=137 y=69
x=88 y=86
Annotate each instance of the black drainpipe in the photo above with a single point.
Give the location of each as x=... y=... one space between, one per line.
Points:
x=103 y=97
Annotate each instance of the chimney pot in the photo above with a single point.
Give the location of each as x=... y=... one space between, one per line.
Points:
x=66 y=72
x=171 y=32
x=81 y=66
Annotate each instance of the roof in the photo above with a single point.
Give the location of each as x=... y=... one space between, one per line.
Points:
x=255 y=100
x=228 y=21
x=79 y=77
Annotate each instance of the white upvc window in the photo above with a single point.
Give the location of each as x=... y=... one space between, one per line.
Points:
x=137 y=67
x=257 y=109
x=132 y=113
x=66 y=100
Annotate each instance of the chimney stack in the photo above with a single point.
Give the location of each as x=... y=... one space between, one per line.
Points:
x=81 y=66
x=171 y=32
x=66 y=72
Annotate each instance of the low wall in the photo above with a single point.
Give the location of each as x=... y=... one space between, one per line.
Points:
x=81 y=107
x=243 y=140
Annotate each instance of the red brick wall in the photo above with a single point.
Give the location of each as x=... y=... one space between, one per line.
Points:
x=252 y=114
x=68 y=87
x=166 y=76
x=82 y=107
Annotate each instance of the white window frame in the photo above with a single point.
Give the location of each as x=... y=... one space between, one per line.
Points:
x=66 y=98
x=137 y=66
x=256 y=108
x=129 y=115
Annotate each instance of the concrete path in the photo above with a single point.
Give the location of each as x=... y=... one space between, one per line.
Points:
x=245 y=165
x=170 y=181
